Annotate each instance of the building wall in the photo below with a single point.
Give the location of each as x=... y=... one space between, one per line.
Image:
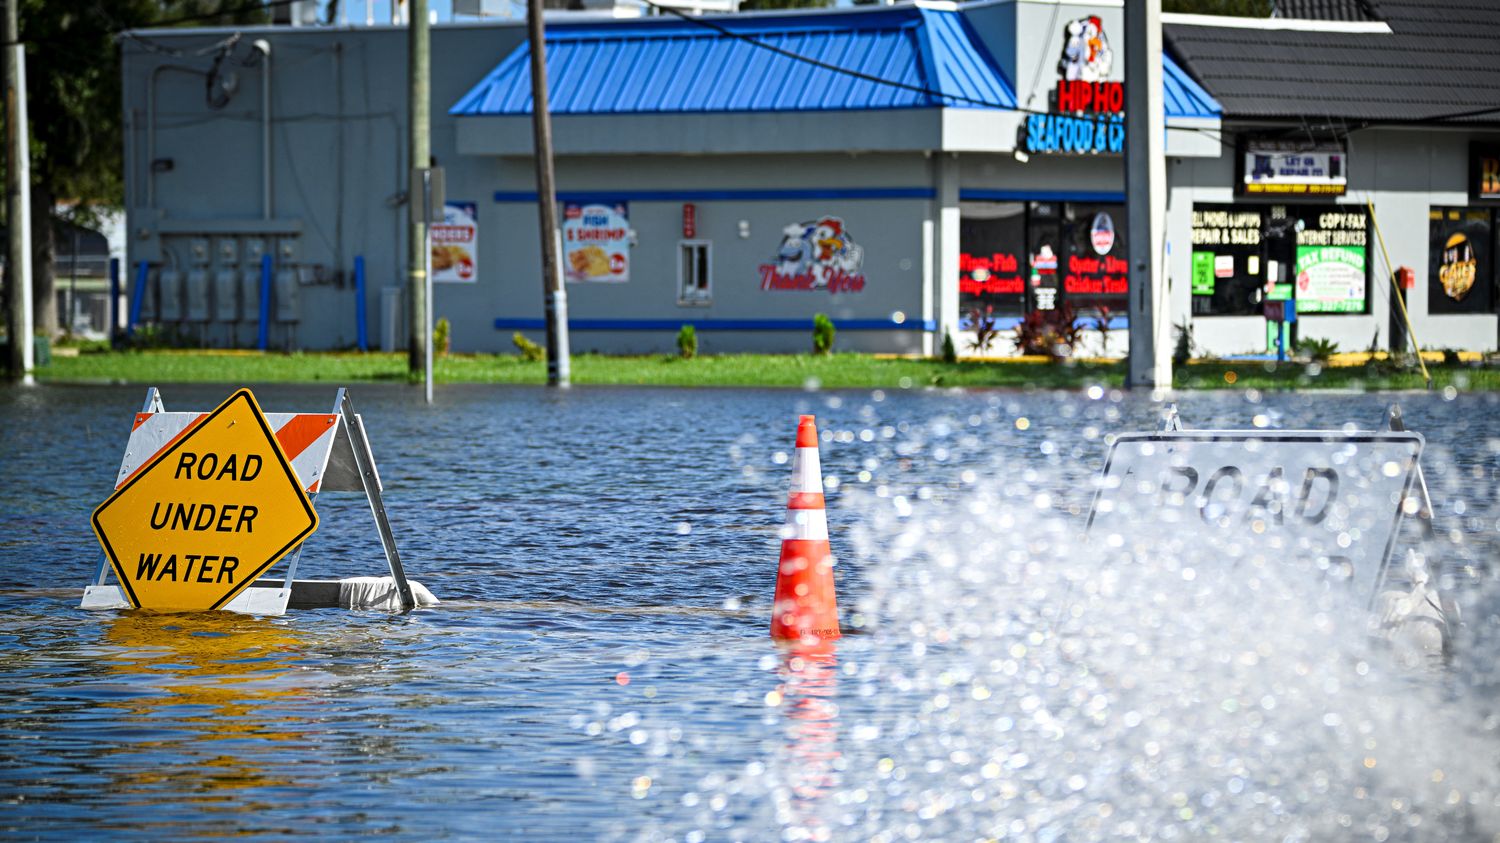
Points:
x=1404 y=173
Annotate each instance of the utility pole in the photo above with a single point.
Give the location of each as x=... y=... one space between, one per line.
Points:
x=18 y=201
x=418 y=70
x=1145 y=194
x=554 y=296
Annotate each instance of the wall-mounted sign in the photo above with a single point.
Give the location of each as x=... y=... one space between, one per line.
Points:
x=1292 y=167
x=596 y=242
x=1331 y=270
x=816 y=255
x=455 y=244
x=1088 y=110
x=689 y=221
x=1460 y=261
x=1484 y=171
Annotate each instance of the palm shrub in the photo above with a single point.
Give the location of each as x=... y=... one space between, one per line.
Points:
x=823 y=331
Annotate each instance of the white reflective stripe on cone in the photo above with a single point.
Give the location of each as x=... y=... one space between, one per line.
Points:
x=806 y=524
x=807 y=474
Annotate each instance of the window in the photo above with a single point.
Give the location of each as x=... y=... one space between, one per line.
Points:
x=1018 y=257
x=1243 y=255
x=1460 y=261
x=694 y=273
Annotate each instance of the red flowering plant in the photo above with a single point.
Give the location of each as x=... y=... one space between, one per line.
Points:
x=1050 y=333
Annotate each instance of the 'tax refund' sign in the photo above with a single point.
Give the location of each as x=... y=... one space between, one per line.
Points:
x=206 y=516
x=1329 y=501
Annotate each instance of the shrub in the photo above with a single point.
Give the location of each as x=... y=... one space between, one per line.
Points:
x=530 y=351
x=950 y=354
x=687 y=342
x=1184 y=350
x=1052 y=333
x=823 y=332
x=442 y=337
x=984 y=328
x=1318 y=349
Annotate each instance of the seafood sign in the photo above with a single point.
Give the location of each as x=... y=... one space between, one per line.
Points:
x=816 y=255
x=596 y=242
x=455 y=244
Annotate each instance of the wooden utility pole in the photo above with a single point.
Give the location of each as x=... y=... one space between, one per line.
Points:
x=19 y=316
x=554 y=296
x=1145 y=195
x=419 y=68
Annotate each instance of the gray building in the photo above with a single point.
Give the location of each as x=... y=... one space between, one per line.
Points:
x=908 y=170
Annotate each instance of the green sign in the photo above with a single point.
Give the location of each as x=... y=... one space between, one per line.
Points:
x=1330 y=279
x=1203 y=273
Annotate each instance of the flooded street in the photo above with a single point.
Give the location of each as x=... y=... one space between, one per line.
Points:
x=599 y=668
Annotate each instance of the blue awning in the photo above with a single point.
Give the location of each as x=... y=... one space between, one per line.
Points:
x=723 y=64
x=1182 y=97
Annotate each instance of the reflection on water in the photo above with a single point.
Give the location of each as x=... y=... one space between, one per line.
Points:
x=206 y=686
x=809 y=761
x=600 y=669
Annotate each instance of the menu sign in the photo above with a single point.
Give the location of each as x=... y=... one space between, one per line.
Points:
x=455 y=244
x=992 y=267
x=1293 y=168
x=596 y=242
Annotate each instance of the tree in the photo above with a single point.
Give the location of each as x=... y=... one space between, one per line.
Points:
x=73 y=90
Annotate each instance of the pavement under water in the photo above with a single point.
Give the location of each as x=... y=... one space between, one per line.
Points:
x=600 y=666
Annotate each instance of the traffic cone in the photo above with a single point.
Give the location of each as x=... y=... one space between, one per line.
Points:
x=805 y=606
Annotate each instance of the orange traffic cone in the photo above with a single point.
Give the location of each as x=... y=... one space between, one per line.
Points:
x=805 y=606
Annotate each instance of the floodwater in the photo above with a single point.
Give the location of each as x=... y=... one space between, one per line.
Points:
x=599 y=668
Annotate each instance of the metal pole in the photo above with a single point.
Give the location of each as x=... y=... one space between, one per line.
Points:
x=1145 y=191
x=418 y=69
x=18 y=198
x=554 y=296
x=73 y=288
x=427 y=278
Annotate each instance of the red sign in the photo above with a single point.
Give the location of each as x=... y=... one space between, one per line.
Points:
x=1075 y=95
x=689 y=220
x=995 y=273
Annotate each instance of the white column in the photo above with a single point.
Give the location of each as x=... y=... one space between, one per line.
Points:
x=1145 y=194
x=946 y=265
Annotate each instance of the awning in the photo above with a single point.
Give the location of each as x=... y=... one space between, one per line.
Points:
x=741 y=64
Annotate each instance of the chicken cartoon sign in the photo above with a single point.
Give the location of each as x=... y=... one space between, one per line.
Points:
x=1086 y=56
x=816 y=255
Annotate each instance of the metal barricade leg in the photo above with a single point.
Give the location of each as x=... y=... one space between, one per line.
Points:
x=363 y=460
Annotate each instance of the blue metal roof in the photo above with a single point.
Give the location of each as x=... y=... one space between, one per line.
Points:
x=722 y=65
x=1181 y=96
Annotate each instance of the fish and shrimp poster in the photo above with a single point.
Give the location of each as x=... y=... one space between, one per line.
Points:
x=596 y=242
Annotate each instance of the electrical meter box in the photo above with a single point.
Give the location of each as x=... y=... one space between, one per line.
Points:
x=250 y=292
x=169 y=308
x=197 y=295
x=287 y=295
x=226 y=295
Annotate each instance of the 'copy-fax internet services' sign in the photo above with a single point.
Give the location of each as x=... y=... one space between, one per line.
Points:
x=207 y=515
x=1329 y=501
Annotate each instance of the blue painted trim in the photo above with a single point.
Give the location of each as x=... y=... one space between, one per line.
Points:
x=361 y=320
x=507 y=324
x=726 y=195
x=114 y=299
x=142 y=273
x=263 y=330
x=979 y=194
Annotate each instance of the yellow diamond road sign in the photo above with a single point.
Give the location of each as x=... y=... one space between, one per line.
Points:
x=201 y=520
